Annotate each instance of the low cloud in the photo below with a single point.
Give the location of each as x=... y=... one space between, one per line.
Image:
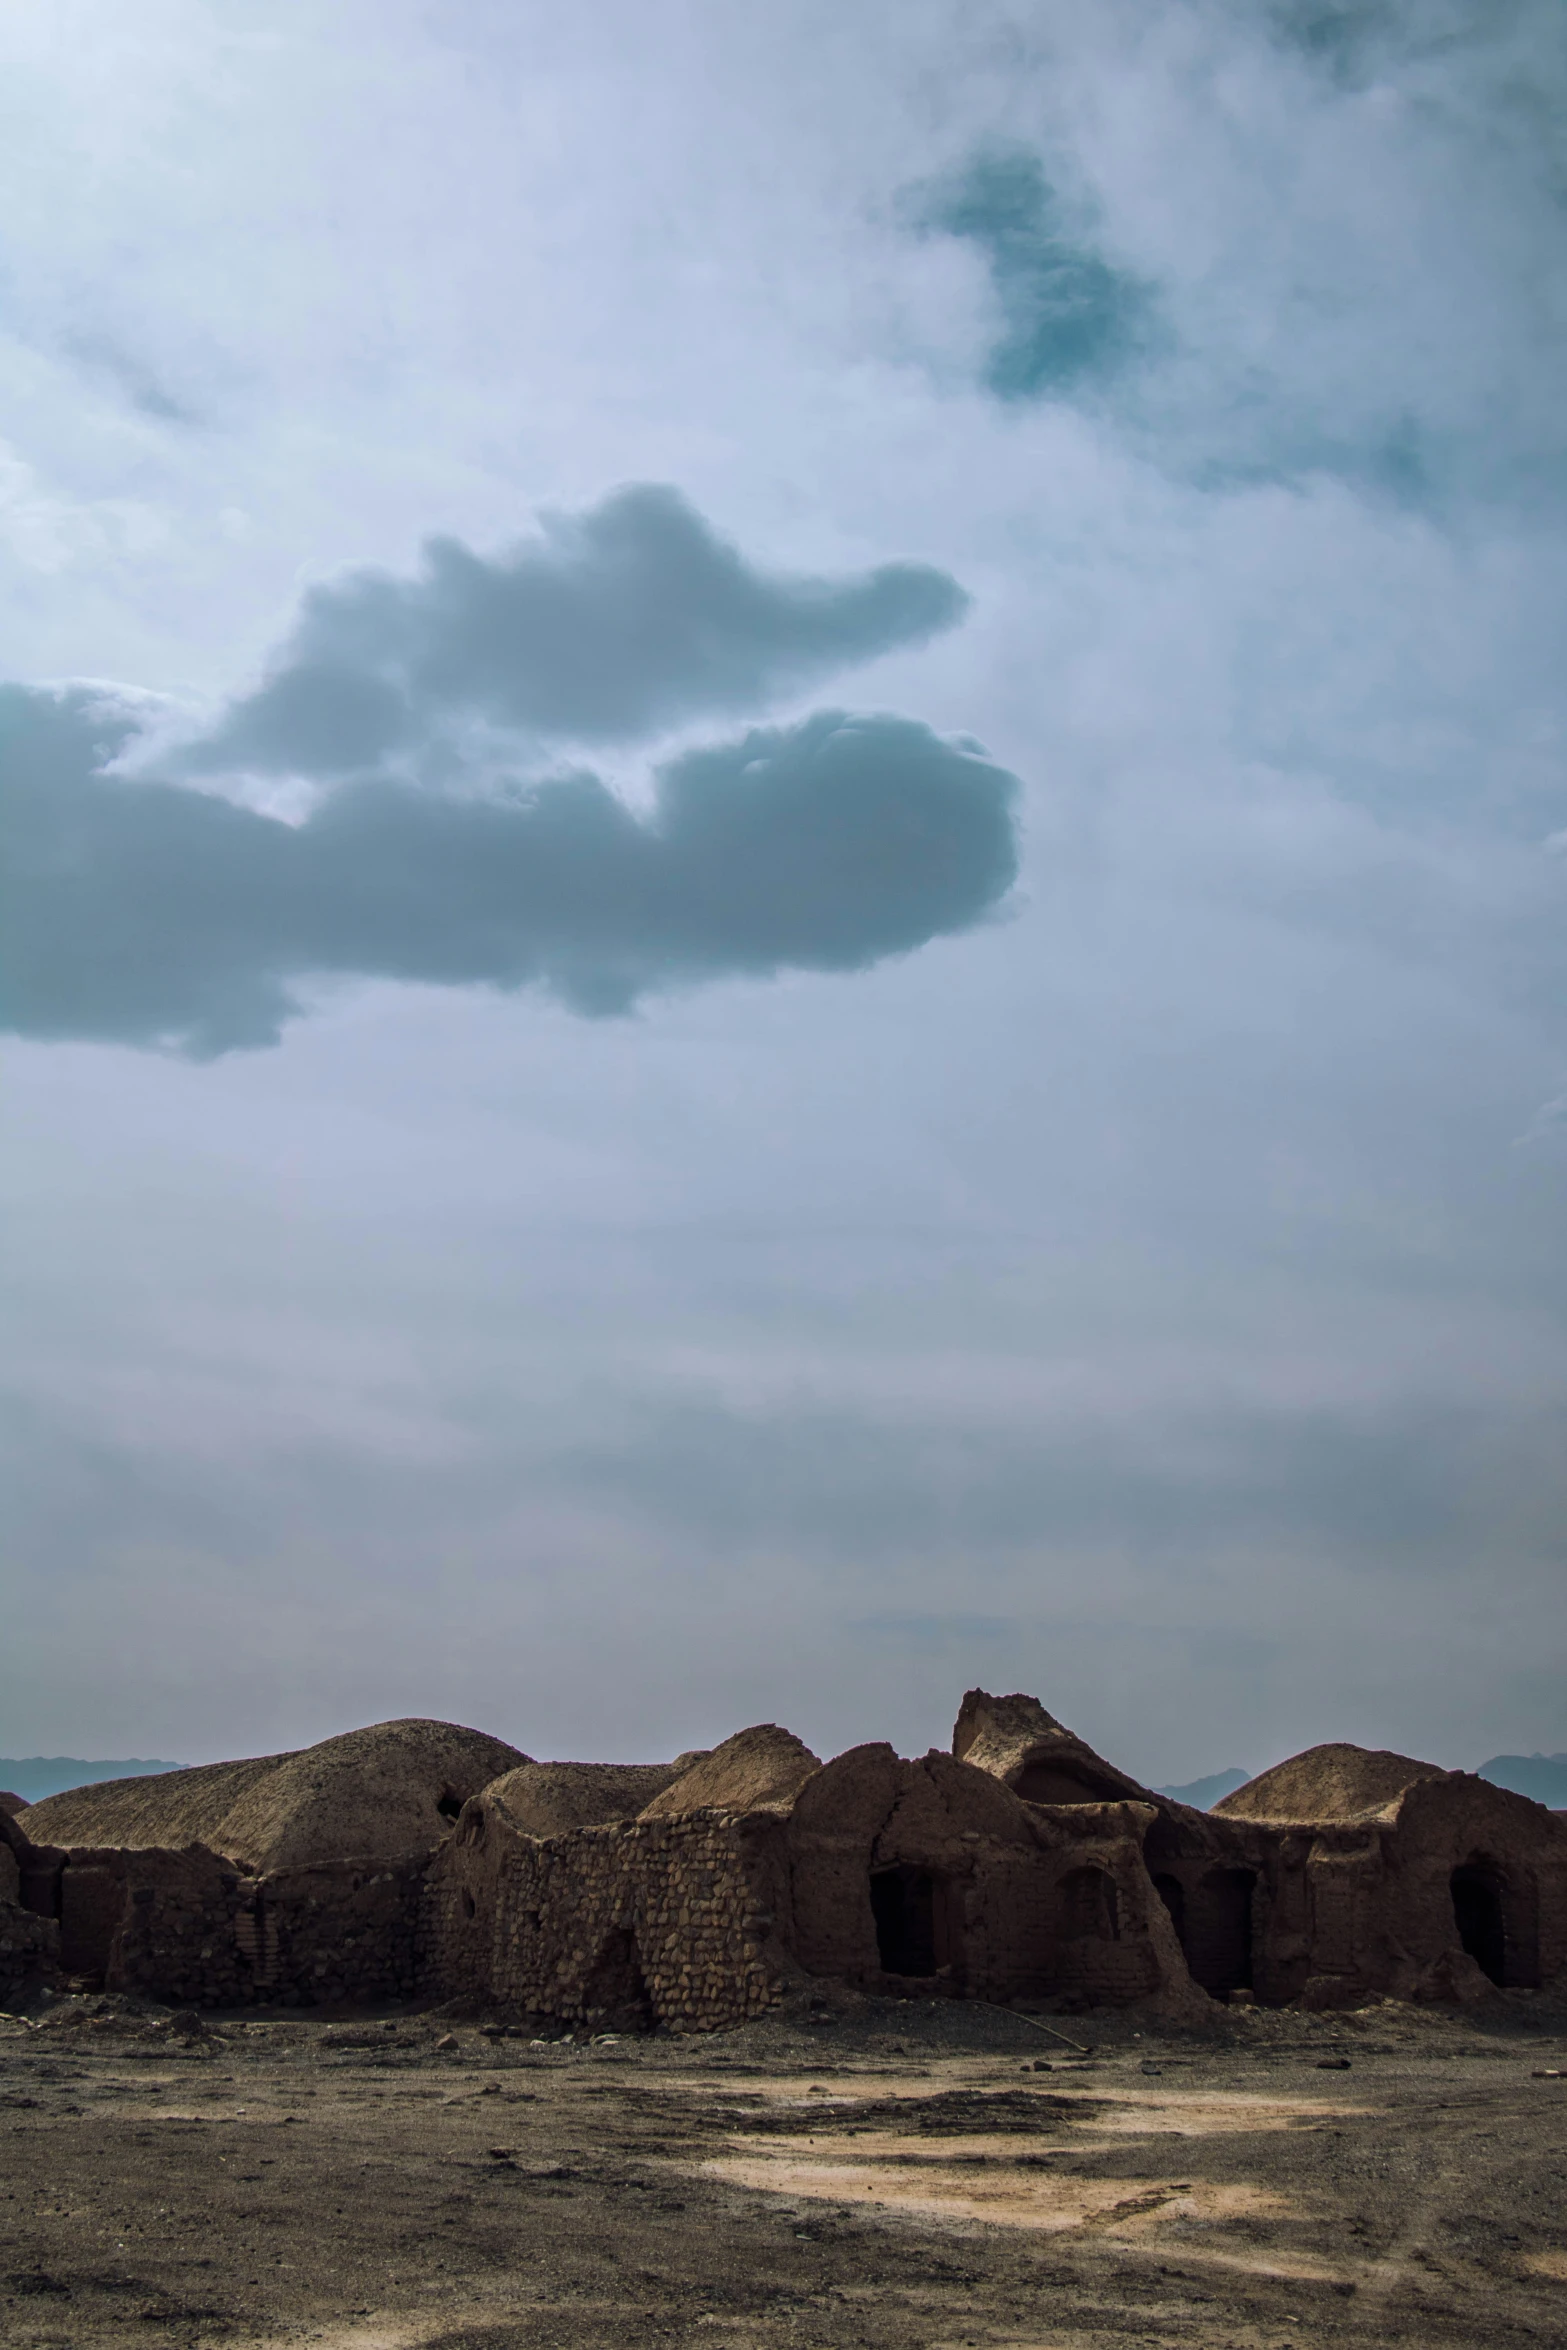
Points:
x=1068 y=318
x=609 y=626
x=151 y=913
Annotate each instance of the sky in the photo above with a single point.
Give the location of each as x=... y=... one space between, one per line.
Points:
x=783 y=873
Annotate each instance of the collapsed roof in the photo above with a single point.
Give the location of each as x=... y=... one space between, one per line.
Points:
x=760 y=1769
x=1016 y=1741
x=551 y=1799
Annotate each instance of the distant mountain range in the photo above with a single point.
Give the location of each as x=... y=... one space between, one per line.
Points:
x=34 y=1776
x=1544 y=1776
x=1202 y=1793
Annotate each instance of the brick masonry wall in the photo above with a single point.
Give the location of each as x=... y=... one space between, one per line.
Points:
x=671 y=1922
x=187 y=1928
x=162 y=1924
x=343 y=1930
x=1010 y=1930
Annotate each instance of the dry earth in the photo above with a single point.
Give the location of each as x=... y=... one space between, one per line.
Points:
x=903 y=2175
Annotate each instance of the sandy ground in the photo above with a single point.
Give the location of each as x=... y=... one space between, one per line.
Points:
x=905 y=2175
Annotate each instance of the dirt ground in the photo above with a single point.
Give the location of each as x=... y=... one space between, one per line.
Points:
x=904 y=2174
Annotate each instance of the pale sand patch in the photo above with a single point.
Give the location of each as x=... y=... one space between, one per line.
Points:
x=955 y=2149
x=1548 y=2264
x=1208 y=2113
x=1034 y=2199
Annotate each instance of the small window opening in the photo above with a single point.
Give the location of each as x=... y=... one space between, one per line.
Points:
x=1480 y=1918
x=1173 y=1894
x=470 y=1908
x=1090 y=1910
x=448 y=1805
x=903 y=1904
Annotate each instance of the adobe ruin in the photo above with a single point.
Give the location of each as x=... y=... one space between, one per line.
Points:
x=421 y=1860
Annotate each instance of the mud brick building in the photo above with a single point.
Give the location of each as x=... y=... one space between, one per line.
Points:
x=419 y=1859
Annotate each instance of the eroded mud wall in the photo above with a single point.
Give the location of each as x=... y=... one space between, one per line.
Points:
x=673 y=1922
x=933 y=1877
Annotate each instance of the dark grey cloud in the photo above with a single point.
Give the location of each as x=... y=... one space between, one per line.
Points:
x=1069 y=319
x=1354 y=40
x=146 y=912
x=610 y=625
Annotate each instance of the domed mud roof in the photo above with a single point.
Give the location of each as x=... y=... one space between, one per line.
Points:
x=367 y=1794
x=760 y=1769
x=1328 y=1783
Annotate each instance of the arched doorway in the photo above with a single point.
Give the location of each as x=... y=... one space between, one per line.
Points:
x=1480 y=1907
x=904 y=1906
x=1090 y=1910
x=1218 y=1931
x=615 y=1997
x=1173 y=1894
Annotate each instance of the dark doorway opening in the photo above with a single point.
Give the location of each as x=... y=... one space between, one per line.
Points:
x=1051 y=1783
x=1173 y=1894
x=92 y=1906
x=1218 y=1931
x=1481 y=1918
x=615 y=1997
x=903 y=1904
x=1090 y=1910
x=448 y=1805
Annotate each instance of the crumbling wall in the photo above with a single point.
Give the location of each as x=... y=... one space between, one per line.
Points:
x=29 y=1929
x=340 y=1930
x=1456 y=1891
x=1339 y=1908
x=1111 y=1939
x=190 y=1928
x=669 y=1921
x=159 y=1923
x=197 y=1932
x=1234 y=1897
x=29 y=1948
x=934 y=1877
x=906 y=1874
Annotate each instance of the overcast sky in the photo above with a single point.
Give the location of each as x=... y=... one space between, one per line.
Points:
x=785 y=872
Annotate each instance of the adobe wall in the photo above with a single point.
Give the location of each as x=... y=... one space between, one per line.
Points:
x=29 y=1949
x=338 y=1930
x=192 y=1930
x=154 y=1922
x=1329 y=1912
x=189 y=1927
x=29 y=1932
x=1023 y=1903
x=666 y=1921
x=1376 y=1899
